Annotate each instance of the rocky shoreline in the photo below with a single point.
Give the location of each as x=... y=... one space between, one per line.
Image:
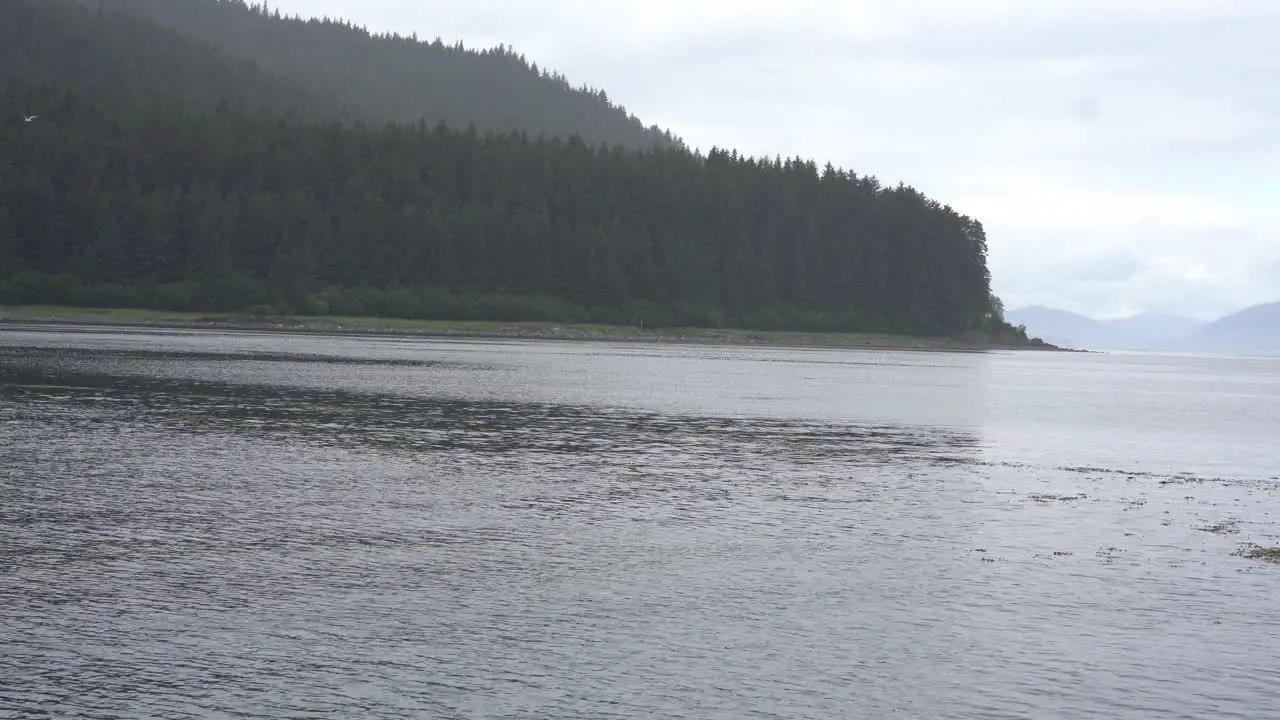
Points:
x=505 y=331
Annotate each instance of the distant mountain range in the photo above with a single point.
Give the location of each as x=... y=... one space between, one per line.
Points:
x=1254 y=330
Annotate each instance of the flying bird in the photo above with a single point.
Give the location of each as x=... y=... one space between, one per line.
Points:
x=29 y=118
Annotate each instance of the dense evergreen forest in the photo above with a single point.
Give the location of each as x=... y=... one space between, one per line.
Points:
x=394 y=78
x=54 y=44
x=132 y=188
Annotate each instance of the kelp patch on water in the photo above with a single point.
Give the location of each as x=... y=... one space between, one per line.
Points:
x=1047 y=498
x=1257 y=552
x=1053 y=555
x=1230 y=526
x=1086 y=469
x=1109 y=554
x=1099 y=473
x=1190 y=479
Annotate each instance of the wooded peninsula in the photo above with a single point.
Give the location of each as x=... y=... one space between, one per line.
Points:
x=215 y=156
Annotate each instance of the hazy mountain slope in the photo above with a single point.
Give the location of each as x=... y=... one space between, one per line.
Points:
x=1254 y=329
x=392 y=78
x=1157 y=328
x=49 y=48
x=1061 y=327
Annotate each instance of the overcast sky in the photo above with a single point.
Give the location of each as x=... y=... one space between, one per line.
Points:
x=1124 y=156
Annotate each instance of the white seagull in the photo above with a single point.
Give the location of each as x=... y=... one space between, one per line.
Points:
x=29 y=118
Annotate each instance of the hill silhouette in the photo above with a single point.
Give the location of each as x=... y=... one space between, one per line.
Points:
x=1062 y=327
x=1254 y=329
x=1156 y=328
x=1144 y=331
x=62 y=46
x=387 y=77
x=137 y=189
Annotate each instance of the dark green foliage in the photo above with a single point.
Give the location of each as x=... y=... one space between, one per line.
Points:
x=142 y=198
x=400 y=79
x=54 y=43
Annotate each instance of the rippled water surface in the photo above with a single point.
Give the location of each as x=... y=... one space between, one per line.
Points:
x=239 y=524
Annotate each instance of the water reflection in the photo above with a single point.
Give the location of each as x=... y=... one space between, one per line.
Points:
x=393 y=422
x=879 y=388
x=221 y=528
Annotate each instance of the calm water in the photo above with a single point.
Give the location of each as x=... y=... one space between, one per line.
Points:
x=237 y=524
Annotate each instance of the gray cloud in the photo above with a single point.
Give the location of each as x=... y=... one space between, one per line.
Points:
x=1123 y=157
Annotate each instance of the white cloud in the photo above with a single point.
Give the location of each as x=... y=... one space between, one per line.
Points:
x=1123 y=156
x=1023 y=201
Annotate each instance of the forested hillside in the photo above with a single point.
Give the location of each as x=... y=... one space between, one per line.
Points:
x=58 y=46
x=394 y=78
x=135 y=198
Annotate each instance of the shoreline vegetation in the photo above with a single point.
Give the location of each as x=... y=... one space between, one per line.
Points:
x=376 y=326
x=226 y=183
